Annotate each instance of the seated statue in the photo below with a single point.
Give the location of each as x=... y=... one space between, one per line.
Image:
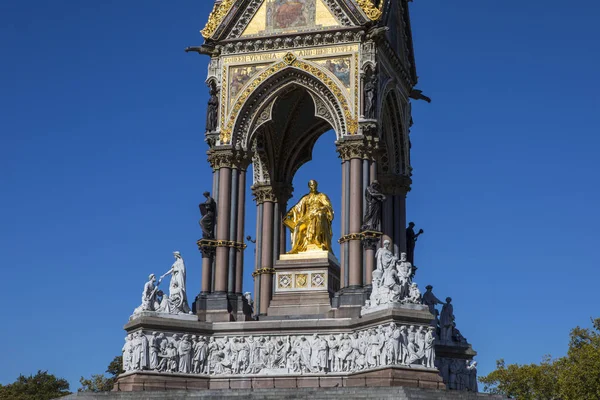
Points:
x=310 y=222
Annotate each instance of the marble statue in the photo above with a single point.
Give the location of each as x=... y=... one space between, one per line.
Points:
x=447 y=321
x=392 y=280
x=414 y=294
x=471 y=368
x=248 y=297
x=374 y=200
x=411 y=241
x=275 y=354
x=148 y=296
x=310 y=222
x=430 y=300
x=208 y=210
x=212 y=111
x=384 y=257
x=177 y=300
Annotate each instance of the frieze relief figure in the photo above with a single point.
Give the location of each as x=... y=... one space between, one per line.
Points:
x=264 y=355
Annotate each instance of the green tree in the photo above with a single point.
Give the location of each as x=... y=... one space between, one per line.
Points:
x=102 y=383
x=41 y=386
x=579 y=376
x=573 y=377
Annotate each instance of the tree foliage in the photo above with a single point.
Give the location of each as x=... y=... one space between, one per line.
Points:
x=573 y=377
x=102 y=383
x=41 y=386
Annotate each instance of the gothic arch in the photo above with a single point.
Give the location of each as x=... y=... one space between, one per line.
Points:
x=248 y=112
x=393 y=132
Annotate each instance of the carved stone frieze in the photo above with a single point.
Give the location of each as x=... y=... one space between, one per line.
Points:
x=245 y=46
x=339 y=352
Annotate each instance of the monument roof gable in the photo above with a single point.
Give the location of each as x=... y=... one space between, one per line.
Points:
x=232 y=19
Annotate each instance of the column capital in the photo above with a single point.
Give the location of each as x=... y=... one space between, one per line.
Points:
x=274 y=193
x=396 y=185
x=359 y=146
x=228 y=157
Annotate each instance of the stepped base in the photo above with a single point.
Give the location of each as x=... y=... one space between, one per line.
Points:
x=385 y=376
x=322 y=393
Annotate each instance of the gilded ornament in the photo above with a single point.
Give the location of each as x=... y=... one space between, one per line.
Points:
x=289 y=58
x=220 y=10
x=301 y=280
x=369 y=8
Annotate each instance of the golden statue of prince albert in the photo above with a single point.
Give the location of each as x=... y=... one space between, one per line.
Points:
x=310 y=222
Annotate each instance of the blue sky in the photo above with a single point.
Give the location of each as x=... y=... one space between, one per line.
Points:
x=102 y=166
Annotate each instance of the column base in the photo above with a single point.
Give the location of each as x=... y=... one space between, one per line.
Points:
x=222 y=307
x=348 y=302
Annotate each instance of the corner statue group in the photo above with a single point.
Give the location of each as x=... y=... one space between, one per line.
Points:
x=310 y=222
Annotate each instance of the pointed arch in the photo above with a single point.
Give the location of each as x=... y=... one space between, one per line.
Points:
x=266 y=86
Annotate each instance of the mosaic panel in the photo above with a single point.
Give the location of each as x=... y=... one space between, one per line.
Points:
x=340 y=67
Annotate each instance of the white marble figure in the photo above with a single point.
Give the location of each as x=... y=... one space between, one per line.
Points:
x=128 y=354
x=177 y=288
x=414 y=295
x=392 y=280
x=149 y=296
x=429 y=347
x=472 y=372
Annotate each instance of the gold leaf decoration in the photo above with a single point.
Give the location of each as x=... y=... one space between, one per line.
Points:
x=220 y=10
x=369 y=8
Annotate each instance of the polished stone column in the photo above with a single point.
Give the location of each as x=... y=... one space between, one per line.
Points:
x=258 y=258
x=344 y=223
x=233 y=224
x=356 y=201
x=266 y=290
x=206 y=274
x=223 y=230
x=239 y=266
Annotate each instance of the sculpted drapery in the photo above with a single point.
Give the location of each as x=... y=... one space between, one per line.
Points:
x=310 y=222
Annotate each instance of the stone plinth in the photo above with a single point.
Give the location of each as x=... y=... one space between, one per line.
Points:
x=304 y=284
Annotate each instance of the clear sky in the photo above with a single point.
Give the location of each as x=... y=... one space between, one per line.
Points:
x=102 y=167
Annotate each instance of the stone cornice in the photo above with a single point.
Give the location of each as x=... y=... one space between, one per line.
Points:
x=244 y=46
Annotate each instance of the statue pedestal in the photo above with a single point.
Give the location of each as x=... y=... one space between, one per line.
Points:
x=304 y=284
